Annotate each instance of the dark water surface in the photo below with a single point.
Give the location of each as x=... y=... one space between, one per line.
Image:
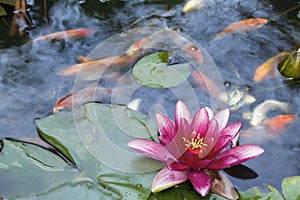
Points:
x=30 y=86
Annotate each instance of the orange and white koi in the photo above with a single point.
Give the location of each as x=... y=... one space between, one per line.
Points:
x=73 y=33
x=267 y=69
x=278 y=123
x=260 y=112
x=268 y=129
x=206 y=83
x=192 y=5
x=242 y=26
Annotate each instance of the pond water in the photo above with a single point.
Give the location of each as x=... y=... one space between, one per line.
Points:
x=30 y=85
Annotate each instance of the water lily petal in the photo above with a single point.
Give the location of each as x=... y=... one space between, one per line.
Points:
x=166 y=128
x=235 y=156
x=182 y=112
x=222 y=118
x=201 y=181
x=210 y=139
x=167 y=178
x=177 y=147
x=209 y=112
x=201 y=164
x=189 y=157
x=164 y=139
x=200 y=121
x=226 y=136
x=151 y=149
x=178 y=166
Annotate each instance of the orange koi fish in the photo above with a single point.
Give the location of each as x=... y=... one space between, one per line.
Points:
x=83 y=59
x=267 y=69
x=158 y=38
x=242 y=26
x=206 y=83
x=73 y=33
x=136 y=46
x=77 y=98
x=278 y=123
x=93 y=69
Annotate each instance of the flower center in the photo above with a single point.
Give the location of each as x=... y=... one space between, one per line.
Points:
x=194 y=144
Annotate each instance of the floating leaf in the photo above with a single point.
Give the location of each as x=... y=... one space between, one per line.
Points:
x=290 y=187
x=153 y=71
x=290 y=66
x=78 y=191
x=183 y=191
x=255 y=194
x=27 y=170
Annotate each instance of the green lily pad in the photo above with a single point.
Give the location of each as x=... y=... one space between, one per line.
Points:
x=27 y=170
x=79 y=191
x=182 y=191
x=290 y=66
x=152 y=71
x=290 y=187
x=255 y=194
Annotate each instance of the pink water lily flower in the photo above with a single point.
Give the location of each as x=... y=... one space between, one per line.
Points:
x=193 y=147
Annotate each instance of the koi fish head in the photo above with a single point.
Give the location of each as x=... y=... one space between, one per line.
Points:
x=256 y=23
x=194 y=52
x=63 y=102
x=136 y=46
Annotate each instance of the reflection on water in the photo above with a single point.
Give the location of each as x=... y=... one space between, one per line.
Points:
x=30 y=86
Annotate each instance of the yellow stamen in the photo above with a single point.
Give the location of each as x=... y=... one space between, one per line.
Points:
x=196 y=143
